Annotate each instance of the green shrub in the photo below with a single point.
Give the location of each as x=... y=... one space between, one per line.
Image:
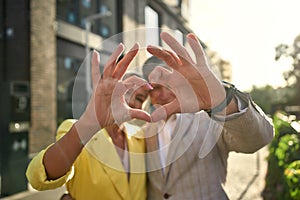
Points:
x=288 y=150
x=292 y=178
x=283 y=150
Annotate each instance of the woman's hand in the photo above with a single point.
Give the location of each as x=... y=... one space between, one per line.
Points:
x=107 y=104
x=106 y=107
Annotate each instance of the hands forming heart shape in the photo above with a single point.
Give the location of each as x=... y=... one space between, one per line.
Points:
x=195 y=86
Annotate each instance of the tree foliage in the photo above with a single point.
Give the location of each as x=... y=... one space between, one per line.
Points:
x=271 y=99
x=283 y=175
x=291 y=76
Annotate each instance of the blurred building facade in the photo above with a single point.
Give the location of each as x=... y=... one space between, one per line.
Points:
x=45 y=43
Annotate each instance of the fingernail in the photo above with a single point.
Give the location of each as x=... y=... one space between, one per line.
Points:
x=121 y=45
x=149 y=86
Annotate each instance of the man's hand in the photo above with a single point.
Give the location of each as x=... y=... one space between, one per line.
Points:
x=196 y=87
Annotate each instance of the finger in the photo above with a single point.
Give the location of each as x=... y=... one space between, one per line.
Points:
x=175 y=57
x=173 y=61
x=160 y=76
x=169 y=58
x=139 y=114
x=179 y=85
x=125 y=62
x=95 y=69
x=135 y=82
x=163 y=112
x=110 y=65
x=176 y=46
x=122 y=112
x=197 y=49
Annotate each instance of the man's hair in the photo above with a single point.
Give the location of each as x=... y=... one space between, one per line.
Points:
x=150 y=64
x=129 y=74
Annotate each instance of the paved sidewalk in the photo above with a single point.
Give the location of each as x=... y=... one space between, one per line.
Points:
x=32 y=194
x=246 y=175
x=245 y=179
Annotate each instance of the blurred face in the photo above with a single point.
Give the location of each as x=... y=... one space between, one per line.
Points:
x=136 y=98
x=161 y=95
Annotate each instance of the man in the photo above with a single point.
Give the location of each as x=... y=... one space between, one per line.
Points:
x=199 y=121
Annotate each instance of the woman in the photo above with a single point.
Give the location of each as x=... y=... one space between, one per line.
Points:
x=93 y=156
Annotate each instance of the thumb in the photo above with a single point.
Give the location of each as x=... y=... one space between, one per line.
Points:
x=134 y=82
x=165 y=111
x=139 y=114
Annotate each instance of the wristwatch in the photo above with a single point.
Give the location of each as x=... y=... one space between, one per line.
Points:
x=230 y=89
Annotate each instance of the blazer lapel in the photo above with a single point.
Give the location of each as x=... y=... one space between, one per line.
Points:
x=152 y=156
x=101 y=147
x=136 y=150
x=179 y=143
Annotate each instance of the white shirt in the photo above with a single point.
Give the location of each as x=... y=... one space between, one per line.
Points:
x=164 y=138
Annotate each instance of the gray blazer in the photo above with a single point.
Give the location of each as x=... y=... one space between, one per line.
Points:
x=198 y=152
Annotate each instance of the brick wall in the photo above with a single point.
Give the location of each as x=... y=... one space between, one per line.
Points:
x=43 y=74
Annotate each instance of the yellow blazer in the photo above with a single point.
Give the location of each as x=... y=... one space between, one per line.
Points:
x=97 y=172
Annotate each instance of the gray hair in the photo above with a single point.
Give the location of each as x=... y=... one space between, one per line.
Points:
x=151 y=63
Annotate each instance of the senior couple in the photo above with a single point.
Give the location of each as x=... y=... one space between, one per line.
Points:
x=180 y=153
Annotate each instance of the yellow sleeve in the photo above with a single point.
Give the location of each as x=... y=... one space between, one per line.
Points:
x=64 y=127
x=37 y=177
x=36 y=173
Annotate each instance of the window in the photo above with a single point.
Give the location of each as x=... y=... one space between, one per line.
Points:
x=75 y=12
x=179 y=36
x=69 y=60
x=152 y=24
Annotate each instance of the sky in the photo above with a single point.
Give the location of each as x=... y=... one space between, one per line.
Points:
x=245 y=33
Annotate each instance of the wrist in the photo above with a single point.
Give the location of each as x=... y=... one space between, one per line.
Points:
x=85 y=129
x=230 y=89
